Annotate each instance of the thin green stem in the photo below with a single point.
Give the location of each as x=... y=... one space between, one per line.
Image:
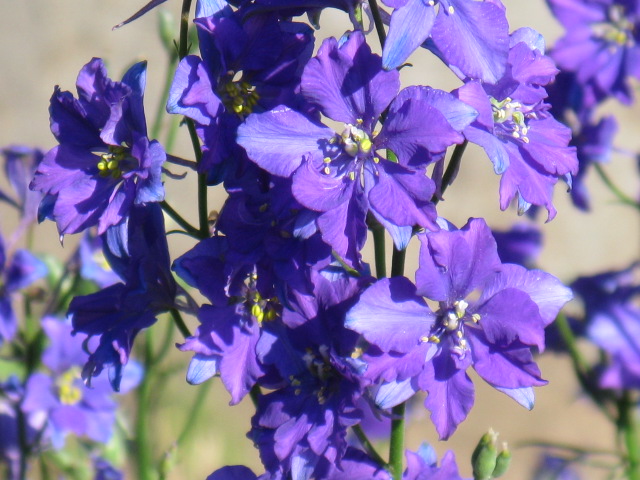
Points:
x=183 y=49
x=169 y=210
x=178 y=320
x=144 y=460
x=580 y=365
x=623 y=197
x=397 y=262
x=451 y=171
x=377 y=20
x=254 y=394
x=368 y=446
x=581 y=368
x=160 y=111
x=195 y=410
x=379 y=247
x=396 y=449
x=566 y=447
x=628 y=428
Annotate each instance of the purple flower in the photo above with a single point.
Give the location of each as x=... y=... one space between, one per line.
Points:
x=104 y=163
x=16 y=273
x=612 y=319
x=248 y=64
x=476 y=325
x=20 y=164
x=601 y=44
x=69 y=405
x=423 y=465
x=300 y=427
x=137 y=251
x=344 y=176
x=471 y=37
x=526 y=145
x=521 y=244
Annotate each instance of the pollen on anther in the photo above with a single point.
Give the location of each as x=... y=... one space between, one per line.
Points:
x=451 y=9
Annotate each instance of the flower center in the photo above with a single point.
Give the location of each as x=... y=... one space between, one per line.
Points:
x=451 y=323
x=355 y=141
x=261 y=309
x=618 y=31
x=68 y=390
x=512 y=117
x=114 y=162
x=238 y=96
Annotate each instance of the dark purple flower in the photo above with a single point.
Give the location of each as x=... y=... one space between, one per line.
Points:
x=137 y=251
x=248 y=64
x=344 y=176
x=600 y=45
x=300 y=427
x=104 y=164
x=612 y=319
x=471 y=37
x=526 y=145
x=490 y=316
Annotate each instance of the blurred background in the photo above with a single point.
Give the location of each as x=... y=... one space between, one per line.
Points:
x=44 y=43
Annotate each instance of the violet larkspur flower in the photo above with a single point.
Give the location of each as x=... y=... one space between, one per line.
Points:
x=104 y=163
x=490 y=316
x=16 y=273
x=69 y=405
x=601 y=44
x=612 y=317
x=344 y=176
x=471 y=37
x=249 y=64
x=526 y=145
x=137 y=251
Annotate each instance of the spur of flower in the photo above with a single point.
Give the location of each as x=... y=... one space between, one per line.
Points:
x=490 y=316
x=345 y=175
x=104 y=163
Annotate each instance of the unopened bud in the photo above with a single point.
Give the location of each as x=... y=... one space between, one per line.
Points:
x=484 y=457
x=502 y=462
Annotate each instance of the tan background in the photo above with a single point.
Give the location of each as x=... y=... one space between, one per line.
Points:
x=45 y=42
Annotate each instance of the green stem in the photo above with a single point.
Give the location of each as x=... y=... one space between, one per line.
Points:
x=628 y=427
x=194 y=412
x=397 y=262
x=581 y=368
x=396 y=449
x=623 y=197
x=169 y=210
x=254 y=394
x=183 y=49
x=142 y=438
x=451 y=171
x=160 y=111
x=368 y=446
x=177 y=318
x=377 y=20
x=377 y=230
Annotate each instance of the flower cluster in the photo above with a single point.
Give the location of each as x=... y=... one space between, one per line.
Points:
x=317 y=153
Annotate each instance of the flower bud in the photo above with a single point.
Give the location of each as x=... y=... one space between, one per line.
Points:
x=502 y=462
x=484 y=457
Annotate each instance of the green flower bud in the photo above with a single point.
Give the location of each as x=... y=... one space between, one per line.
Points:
x=484 y=457
x=502 y=462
